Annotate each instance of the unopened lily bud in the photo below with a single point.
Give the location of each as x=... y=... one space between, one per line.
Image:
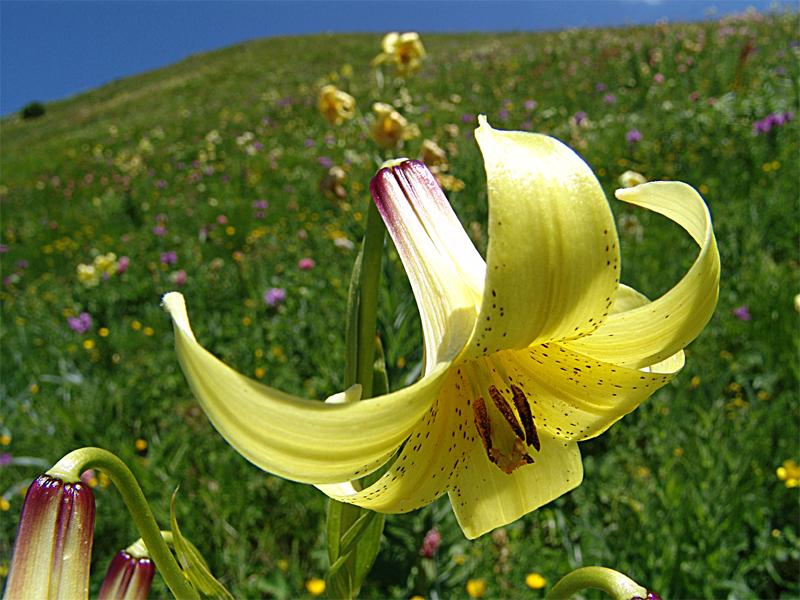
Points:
x=53 y=549
x=129 y=575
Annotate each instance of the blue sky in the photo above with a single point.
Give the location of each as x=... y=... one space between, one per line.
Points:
x=55 y=49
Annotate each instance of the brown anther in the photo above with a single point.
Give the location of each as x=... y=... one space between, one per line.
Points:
x=524 y=410
x=505 y=410
x=482 y=424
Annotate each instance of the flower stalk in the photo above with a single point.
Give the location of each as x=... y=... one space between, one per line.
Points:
x=73 y=464
x=353 y=532
x=615 y=584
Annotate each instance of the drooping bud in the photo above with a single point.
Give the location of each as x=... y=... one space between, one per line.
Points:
x=53 y=549
x=129 y=575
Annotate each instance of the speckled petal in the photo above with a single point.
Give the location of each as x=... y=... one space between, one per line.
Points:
x=444 y=268
x=484 y=497
x=576 y=397
x=652 y=332
x=300 y=439
x=553 y=255
x=430 y=459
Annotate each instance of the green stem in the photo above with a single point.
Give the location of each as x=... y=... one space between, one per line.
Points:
x=70 y=468
x=609 y=581
x=363 y=313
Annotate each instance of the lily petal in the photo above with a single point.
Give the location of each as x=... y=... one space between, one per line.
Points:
x=299 y=439
x=655 y=331
x=627 y=299
x=430 y=459
x=553 y=254
x=575 y=397
x=484 y=497
x=444 y=289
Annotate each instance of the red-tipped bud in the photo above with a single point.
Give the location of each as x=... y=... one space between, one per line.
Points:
x=53 y=549
x=129 y=575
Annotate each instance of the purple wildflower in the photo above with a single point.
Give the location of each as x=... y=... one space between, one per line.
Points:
x=600 y=87
x=743 y=312
x=579 y=117
x=122 y=264
x=82 y=323
x=431 y=543
x=633 y=136
x=326 y=162
x=609 y=98
x=169 y=258
x=530 y=104
x=6 y=459
x=179 y=277
x=274 y=297
x=306 y=264
x=159 y=229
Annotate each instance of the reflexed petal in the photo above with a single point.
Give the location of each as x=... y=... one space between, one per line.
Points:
x=484 y=497
x=303 y=440
x=431 y=458
x=655 y=331
x=447 y=303
x=576 y=397
x=626 y=299
x=553 y=256
x=441 y=224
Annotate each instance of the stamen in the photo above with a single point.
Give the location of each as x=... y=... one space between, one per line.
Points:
x=505 y=410
x=524 y=410
x=482 y=424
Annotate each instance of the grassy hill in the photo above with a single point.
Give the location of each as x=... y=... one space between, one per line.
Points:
x=206 y=176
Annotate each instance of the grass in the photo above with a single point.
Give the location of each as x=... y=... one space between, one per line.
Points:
x=682 y=495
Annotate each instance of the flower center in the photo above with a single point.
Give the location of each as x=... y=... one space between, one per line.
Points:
x=507 y=433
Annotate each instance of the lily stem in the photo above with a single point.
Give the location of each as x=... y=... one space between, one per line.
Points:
x=76 y=462
x=615 y=584
x=369 y=277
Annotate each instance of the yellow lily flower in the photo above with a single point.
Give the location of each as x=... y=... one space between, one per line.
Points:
x=390 y=128
x=526 y=354
x=404 y=50
x=335 y=105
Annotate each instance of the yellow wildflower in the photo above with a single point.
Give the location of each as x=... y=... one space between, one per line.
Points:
x=106 y=263
x=433 y=156
x=332 y=184
x=335 y=105
x=789 y=473
x=405 y=51
x=535 y=581
x=315 y=586
x=88 y=276
x=476 y=588
x=631 y=179
x=390 y=128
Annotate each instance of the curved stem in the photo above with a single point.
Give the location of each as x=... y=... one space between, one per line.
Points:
x=617 y=585
x=70 y=468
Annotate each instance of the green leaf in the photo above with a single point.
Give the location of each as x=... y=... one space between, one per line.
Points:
x=193 y=563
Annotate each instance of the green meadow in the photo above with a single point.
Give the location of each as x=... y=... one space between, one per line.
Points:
x=209 y=177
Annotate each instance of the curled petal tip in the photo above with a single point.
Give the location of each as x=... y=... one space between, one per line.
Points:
x=175 y=304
